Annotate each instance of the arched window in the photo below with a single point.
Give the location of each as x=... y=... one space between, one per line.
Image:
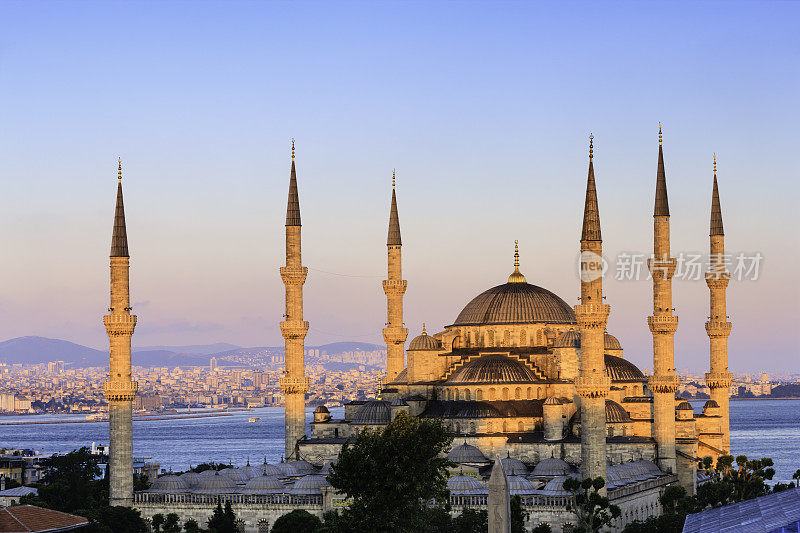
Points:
x=489 y=428
x=263 y=526
x=530 y=391
x=517 y=393
x=505 y=426
x=505 y=393
x=458 y=428
x=472 y=427
x=538 y=393
x=467 y=394
x=491 y=393
x=479 y=394
x=520 y=427
x=449 y=395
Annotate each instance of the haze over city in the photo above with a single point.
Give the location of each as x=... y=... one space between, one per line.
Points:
x=484 y=110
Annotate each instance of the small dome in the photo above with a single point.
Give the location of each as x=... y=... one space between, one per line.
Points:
x=321 y=409
x=619 y=369
x=710 y=404
x=191 y=478
x=519 y=485
x=493 y=369
x=209 y=472
x=270 y=470
x=611 y=342
x=169 y=483
x=251 y=471
x=399 y=402
x=264 y=485
x=551 y=467
x=615 y=412
x=286 y=470
x=374 y=412
x=467 y=454
x=303 y=467
x=568 y=339
x=235 y=474
x=309 y=485
x=555 y=487
x=552 y=400
x=423 y=342
x=514 y=467
x=462 y=484
x=684 y=406
x=216 y=484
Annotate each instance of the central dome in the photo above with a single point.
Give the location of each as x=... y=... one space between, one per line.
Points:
x=515 y=303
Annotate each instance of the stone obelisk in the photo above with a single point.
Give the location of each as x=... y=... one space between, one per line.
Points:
x=499 y=501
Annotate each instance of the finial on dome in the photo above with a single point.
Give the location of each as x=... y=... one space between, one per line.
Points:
x=516 y=276
x=423 y=329
x=715 y=164
x=659 y=133
x=292 y=148
x=379 y=395
x=591 y=146
x=393 y=178
x=119 y=169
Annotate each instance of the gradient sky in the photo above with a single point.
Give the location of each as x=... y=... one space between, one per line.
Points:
x=484 y=108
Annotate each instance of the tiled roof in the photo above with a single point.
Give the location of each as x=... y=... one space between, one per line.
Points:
x=29 y=518
x=767 y=514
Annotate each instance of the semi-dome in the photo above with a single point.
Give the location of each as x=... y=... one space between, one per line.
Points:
x=169 y=483
x=216 y=484
x=551 y=467
x=310 y=485
x=423 y=342
x=514 y=467
x=462 y=484
x=493 y=369
x=467 y=454
x=568 y=339
x=615 y=412
x=374 y=412
x=552 y=400
x=515 y=303
x=263 y=485
x=619 y=369
x=611 y=342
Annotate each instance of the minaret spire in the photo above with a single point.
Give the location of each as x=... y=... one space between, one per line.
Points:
x=592 y=385
x=120 y=389
x=718 y=327
x=591 y=212
x=394 y=287
x=662 y=202
x=294 y=383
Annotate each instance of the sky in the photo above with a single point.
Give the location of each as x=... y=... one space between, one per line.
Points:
x=484 y=109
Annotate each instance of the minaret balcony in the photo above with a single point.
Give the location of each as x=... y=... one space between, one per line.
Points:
x=719 y=380
x=662 y=268
x=119 y=324
x=593 y=386
x=718 y=280
x=592 y=315
x=718 y=328
x=663 y=324
x=664 y=384
x=120 y=391
x=294 y=330
x=394 y=287
x=294 y=276
x=395 y=335
x=293 y=385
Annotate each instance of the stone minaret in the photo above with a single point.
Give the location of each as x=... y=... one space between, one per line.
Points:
x=294 y=383
x=718 y=328
x=120 y=389
x=592 y=384
x=663 y=324
x=394 y=333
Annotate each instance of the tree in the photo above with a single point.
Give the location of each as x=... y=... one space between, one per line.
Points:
x=172 y=524
x=747 y=478
x=70 y=483
x=157 y=521
x=470 y=521
x=518 y=515
x=298 y=521
x=191 y=526
x=407 y=469
x=796 y=477
x=222 y=521
x=593 y=510
x=676 y=504
x=115 y=519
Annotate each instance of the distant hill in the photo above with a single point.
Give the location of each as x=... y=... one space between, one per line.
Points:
x=194 y=349
x=339 y=347
x=148 y=358
x=34 y=350
x=346 y=367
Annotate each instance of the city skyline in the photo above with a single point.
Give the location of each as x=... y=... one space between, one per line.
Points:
x=518 y=164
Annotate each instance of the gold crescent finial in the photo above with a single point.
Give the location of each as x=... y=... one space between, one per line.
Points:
x=119 y=169
x=715 y=164
x=659 y=134
x=292 y=148
x=591 y=145
x=516 y=255
x=423 y=329
x=393 y=178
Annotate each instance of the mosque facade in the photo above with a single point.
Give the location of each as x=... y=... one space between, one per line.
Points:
x=519 y=375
